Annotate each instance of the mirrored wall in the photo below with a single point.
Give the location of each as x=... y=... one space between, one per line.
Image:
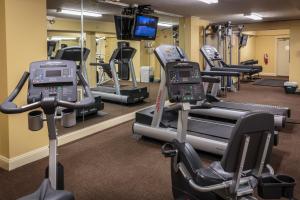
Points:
x=116 y=57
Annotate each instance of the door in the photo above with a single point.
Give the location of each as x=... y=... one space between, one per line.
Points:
x=283 y=56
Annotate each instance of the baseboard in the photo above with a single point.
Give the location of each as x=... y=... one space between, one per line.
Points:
x=28 y=157
x=82 y=133
x=267 y=74
x=37 y=154
x=4 y=162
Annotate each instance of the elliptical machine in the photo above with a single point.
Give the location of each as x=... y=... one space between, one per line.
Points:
x=244 y=165
x=52 y=84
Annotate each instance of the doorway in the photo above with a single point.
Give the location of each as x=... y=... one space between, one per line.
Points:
x=283 y=56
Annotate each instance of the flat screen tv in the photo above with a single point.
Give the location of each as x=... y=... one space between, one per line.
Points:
x=123 y=27
x=145 y=27
x=244 y=40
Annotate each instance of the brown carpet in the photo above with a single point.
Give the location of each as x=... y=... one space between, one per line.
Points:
x=112 y=165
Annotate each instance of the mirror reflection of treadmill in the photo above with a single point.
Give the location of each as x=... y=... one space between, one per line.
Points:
x=118 y=92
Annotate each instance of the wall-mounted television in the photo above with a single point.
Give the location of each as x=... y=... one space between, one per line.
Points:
x=145 y=27
x=123 y=27
x=244 y=40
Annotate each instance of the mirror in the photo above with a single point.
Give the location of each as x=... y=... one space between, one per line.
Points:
x=109 y=64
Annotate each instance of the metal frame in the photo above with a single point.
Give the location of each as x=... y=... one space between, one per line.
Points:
x=52 y=134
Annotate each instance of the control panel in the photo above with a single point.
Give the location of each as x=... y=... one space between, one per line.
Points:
x=211 y=53
x=184 y=82
x=169 y=53
x=55 y=78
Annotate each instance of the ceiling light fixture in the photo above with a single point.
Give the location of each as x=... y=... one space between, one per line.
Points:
x=164 y=24
x=209 y=1
x=78 y=13
x=58 y=38
x=254 y=16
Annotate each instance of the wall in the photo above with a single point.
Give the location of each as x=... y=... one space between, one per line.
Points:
x=28 y=16
x=266 y=43
x=248 y=52
x=4 y=148
x=294 y=27
x=164 y=36
x=295 y=53
x=74 y=25
x=191 y=37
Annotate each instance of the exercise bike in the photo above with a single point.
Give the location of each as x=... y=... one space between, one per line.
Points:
x=244 y=165
x=52 y=84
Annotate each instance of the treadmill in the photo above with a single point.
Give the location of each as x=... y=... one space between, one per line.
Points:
x=126 y=94
x=216 y=63
x=208 y=130
x=74 y=54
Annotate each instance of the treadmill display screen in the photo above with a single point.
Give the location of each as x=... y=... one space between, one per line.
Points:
x=184 y=74
x=53 y=73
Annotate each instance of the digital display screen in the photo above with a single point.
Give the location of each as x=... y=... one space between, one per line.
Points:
x=53 y=73
x=184 y=74
x=244 y=40
x=145 y=27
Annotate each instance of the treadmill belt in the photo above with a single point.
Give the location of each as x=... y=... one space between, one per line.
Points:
x=275 y=110
x=206 y=127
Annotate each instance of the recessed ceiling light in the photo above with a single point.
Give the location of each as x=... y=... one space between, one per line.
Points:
x=78 y=13
x=164 y=24
x=58 y=38
x=209 y=1
x=254 y=16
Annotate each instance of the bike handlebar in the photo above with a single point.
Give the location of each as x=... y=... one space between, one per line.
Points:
x=8 y=107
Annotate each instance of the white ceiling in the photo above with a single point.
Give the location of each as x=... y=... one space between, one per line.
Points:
x=225 y=10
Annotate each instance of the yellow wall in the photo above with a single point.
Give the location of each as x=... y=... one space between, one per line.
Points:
x=164 y=36
x=294 y=27
x=264 y=42
x=295 y=53
x=21 y=49
x=248 y=52
x=4 y=151
x=191 y=37
x=74 y=25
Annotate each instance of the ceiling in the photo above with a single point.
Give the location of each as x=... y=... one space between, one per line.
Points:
x=225 y=10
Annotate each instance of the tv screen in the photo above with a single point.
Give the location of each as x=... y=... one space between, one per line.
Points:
x=145 y=27
x=244 y=40
x=123 y=27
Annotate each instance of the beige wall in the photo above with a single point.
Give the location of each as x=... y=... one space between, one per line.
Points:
x=164 y=36
x=21 y=49
x=74 y=25
x=4 y=151
x=248 y=52
x=191 y=37
x=294 y=27
x=295 y=53
x=264 y=42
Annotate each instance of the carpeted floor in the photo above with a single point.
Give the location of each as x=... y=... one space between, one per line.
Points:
x=270 y=82
x=111 y=165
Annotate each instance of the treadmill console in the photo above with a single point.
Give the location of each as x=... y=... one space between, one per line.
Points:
x=184 y=82
x=210 y=53
x=55 y=78
x=169 y=53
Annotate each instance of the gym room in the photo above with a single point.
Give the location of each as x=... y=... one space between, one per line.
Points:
x=140 y=99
